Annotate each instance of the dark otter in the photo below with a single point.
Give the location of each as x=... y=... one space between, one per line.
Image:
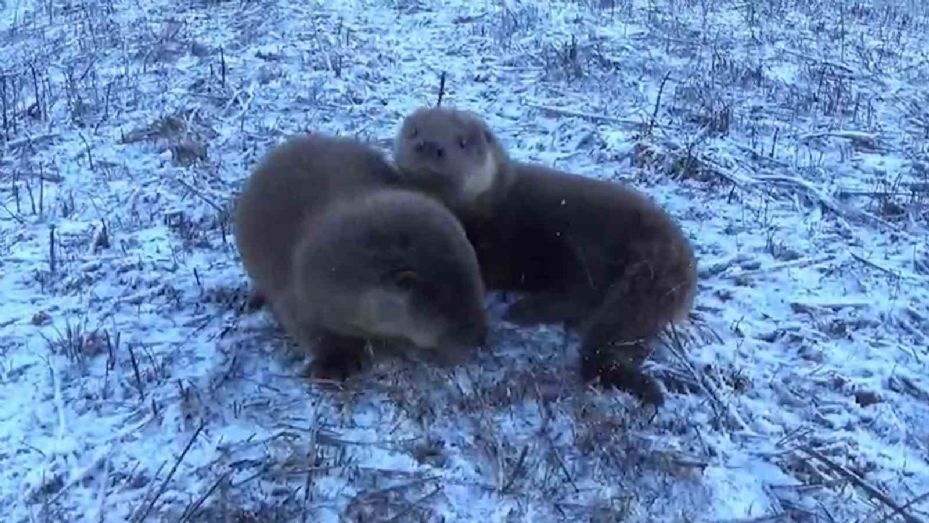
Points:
x=594 y=255
x=342 y=257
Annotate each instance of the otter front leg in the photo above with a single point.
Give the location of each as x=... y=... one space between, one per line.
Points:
x=337 y=357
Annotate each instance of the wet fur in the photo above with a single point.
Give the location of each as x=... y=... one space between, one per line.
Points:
x=321 y=233
x=597 y=256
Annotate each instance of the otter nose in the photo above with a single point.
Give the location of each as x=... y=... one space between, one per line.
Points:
x=471 y=332
x=430 y=148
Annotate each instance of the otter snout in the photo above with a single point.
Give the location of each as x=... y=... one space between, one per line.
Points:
x=458 y=343
x=429 y=148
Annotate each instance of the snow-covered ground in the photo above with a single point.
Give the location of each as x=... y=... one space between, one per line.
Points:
x=790 y=138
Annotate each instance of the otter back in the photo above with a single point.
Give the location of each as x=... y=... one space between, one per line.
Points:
x=342 y=256
x=293 y=181
x=598 y=256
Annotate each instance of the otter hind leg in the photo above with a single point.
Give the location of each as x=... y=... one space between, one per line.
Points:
x=615 y=340
x=617 y=361
x=605 y=367
x=643 y=300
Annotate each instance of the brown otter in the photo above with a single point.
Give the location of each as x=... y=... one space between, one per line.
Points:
x=342 y=257
x=594 y=255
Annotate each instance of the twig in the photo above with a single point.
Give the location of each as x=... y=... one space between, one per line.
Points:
x=79 y=476
x=413 y=505
x=394 y=488
x=12 y=214
x=651 y=122
x=763 y=180
x=135 y=369
x=194 y=507
x=59 y=402
x=900 y=275
x=200 y=195
x=90 y=158
x=857 y=136
x=823 y=61
x=441 y=89
x=718 y=266
x=779 y=516
x=803 y=262
x=589 y=116
x=177 y=462
x=517 y=469
x=826 y=200
x=833 y=304
x=246 y=105
x=877 y=194
x=861 y=483
x=30 y=140
x=908 y=504
x=41 y=196
x=52 y=259
x=718 y=406
x=102 y=493
x=222 y=65
x=675 y=151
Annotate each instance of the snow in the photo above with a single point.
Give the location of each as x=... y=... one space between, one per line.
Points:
x=790 y=141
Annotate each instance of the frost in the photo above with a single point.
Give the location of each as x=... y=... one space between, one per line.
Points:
x=790 y=140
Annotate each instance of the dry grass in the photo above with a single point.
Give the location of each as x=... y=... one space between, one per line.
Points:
x=788 y=137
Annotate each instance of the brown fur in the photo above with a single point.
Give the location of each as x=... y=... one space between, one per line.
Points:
x=595 y=255
x=342 y=257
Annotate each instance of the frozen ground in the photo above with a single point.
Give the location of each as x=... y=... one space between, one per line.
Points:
x=790 y=139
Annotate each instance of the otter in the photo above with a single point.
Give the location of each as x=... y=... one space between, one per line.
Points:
x=600 y=258
x=342 y=257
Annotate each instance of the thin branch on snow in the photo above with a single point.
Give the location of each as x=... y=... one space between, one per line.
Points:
x=774 y=267
x=895 y=274
x=585 y=115
x=871 y=490
x=438 y=102
x=164 y=484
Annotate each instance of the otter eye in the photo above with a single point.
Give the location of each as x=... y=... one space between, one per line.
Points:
x=463 y=142
x=413 y=133
x=406 y=279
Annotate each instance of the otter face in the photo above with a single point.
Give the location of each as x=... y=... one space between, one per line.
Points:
x=447 y=152
x=435 y=311
x=396 y=264
x=434 y=271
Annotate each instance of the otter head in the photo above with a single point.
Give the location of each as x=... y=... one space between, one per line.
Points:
x=451 y=154
x=396 y=264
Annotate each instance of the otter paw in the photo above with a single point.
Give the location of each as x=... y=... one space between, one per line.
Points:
x=336 y=367
x=254 y=301
x=646 y=388
x=624 y=377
